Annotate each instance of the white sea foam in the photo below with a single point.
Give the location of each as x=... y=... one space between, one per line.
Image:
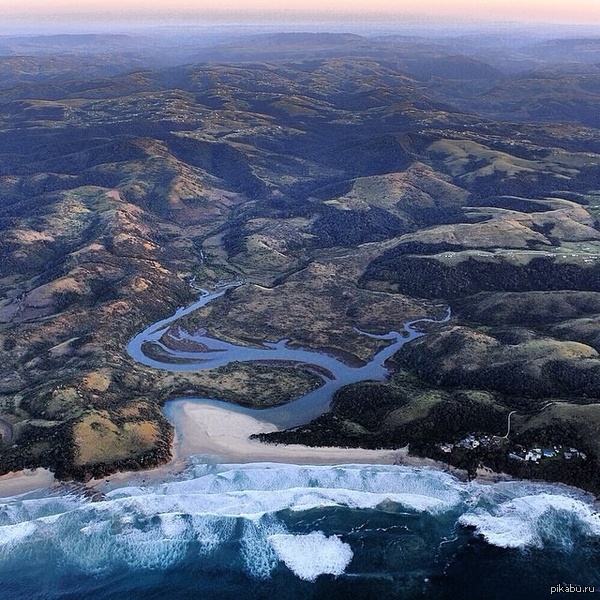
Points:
x=22 y=508
x=309 y=556
x=136 y=545
x=12 y=534
x=242 y=508
x=210 y=532
x=173 y=525
x=259 y=556
x=149 y=549
x=534 y=521
x=239 y=489
x=255 y=503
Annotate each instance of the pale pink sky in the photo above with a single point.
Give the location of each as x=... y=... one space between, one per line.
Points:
x=572 y=11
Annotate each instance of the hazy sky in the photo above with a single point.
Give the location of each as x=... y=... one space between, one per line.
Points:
x=572 y=11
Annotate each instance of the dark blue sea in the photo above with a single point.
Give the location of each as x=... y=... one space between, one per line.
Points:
x=277 y=531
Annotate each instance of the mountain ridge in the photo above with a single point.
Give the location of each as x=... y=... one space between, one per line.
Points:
x=345 y=190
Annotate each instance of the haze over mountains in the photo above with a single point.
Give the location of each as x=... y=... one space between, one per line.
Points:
x=351 y=180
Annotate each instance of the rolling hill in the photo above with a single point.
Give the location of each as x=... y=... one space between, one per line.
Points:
x=349 y=182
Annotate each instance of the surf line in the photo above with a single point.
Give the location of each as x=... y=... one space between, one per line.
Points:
x=218 y=353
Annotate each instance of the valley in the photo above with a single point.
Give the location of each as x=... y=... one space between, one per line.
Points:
x=350 y=182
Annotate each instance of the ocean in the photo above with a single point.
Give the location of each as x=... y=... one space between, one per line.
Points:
x=280 y=531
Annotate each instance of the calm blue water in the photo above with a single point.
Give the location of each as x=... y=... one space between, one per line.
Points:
x=284 y=531
x=218 y=353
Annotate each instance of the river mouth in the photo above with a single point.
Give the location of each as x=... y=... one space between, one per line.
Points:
x=314 y=524
x=224 y=432
x=203 y=352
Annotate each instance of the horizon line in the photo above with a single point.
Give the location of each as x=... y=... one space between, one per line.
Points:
x=282 y=15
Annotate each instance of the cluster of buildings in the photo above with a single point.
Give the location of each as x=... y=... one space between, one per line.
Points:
x=537 y=454
x=472 y=442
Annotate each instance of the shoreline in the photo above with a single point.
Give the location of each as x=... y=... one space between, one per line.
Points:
x=223 y=436
x=204 y=429
x=27 y=480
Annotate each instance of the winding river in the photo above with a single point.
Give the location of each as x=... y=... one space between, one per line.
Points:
x=334 y=372
x=285 y=530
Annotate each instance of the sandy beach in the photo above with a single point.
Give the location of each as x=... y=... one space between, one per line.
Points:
x=224 y=436
x=24 y=481
x=217 y=431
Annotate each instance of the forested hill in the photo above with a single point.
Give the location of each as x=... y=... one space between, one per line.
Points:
x=350 y=181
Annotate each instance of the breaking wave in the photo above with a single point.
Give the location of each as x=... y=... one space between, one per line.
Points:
x=534 y=521
x=311 y=555
x=263 y=520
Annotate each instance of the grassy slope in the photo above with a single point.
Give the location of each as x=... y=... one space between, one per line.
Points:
x=329 y=198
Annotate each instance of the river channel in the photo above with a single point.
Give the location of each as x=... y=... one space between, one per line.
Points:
x=217 y=353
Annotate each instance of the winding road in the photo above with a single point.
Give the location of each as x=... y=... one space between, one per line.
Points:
x=510 y=414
